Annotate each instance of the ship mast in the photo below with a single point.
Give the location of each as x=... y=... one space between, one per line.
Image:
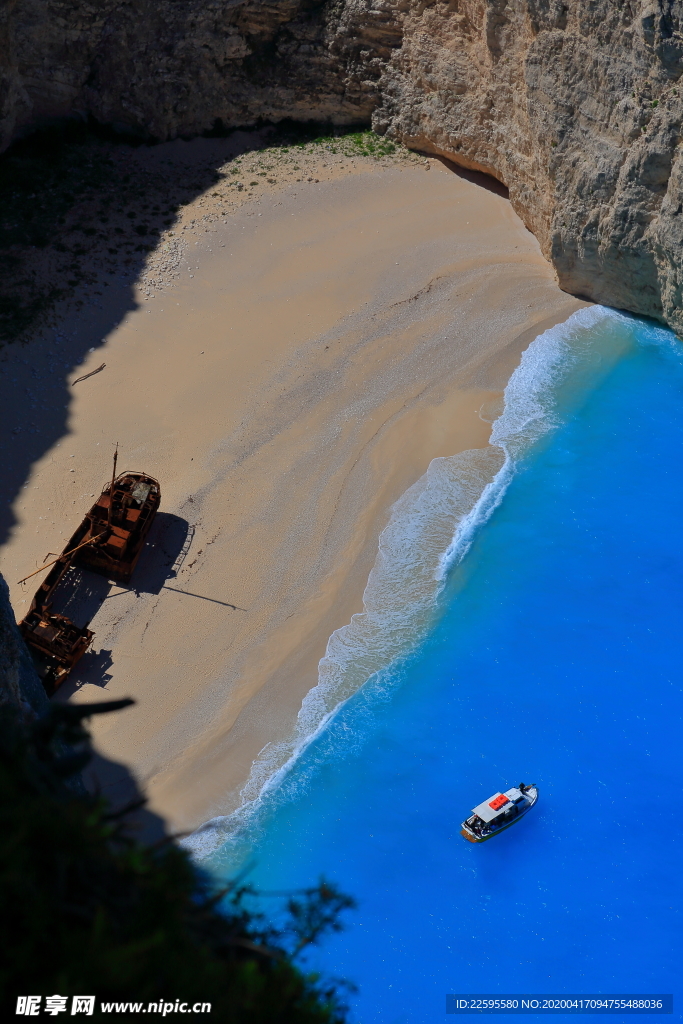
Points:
x=111 y=489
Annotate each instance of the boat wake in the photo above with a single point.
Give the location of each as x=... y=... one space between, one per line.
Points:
x=430 y=530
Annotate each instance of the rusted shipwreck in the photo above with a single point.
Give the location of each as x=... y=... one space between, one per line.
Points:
x=109 y=541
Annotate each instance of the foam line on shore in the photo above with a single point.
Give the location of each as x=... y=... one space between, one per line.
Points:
x=532 y=408
x=431 y=527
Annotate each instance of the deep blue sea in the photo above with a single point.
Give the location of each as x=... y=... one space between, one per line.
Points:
x=540 y=644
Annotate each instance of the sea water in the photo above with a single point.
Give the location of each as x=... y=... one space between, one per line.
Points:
x=522 y=624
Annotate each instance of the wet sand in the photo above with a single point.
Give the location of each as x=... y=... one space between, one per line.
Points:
x=319 y=346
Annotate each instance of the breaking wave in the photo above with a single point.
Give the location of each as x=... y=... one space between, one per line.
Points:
x=430 y=529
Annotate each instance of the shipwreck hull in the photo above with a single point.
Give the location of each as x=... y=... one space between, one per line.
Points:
x=56 y=645
x=55 y=642
x=109 y=541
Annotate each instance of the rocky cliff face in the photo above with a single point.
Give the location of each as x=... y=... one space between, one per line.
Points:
x=20 y=686
x=573 y=104
x=163 y=68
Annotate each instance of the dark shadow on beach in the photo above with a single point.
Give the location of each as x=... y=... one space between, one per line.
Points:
x=118 y=786
x=167 y=546
x=93 y=670
x=80 y=212
x=82 y=593
x=479 y=178
x=115 y=783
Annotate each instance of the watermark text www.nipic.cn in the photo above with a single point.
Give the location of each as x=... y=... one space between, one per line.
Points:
x=33 y=1006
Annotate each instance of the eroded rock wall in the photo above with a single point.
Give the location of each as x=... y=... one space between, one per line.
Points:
x=573 y=104
x=164 y=68
x=20 y=686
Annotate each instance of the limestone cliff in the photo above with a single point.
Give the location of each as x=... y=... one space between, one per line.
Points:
x=573 y=104
x=163 y=68
x=20 y=686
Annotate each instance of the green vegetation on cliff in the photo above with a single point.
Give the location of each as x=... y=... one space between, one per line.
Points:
x=87 y=909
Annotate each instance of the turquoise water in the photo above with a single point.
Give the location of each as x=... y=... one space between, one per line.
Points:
x=550 y=654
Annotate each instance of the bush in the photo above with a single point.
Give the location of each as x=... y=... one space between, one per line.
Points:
x=87 y=909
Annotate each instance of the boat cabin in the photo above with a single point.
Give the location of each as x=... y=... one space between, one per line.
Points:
x=499 y=809
x=120 y=520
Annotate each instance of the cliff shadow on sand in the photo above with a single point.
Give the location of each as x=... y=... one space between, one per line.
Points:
x=90 y=221
x=82 y=212
x=81 y=593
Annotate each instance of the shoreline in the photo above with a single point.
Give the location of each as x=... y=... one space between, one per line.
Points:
x=430 y=530
x=303 y=378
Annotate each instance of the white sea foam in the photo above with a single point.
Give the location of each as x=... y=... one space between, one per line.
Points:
x=430 y=530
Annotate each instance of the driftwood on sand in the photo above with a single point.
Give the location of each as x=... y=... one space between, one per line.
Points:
x=86 y=375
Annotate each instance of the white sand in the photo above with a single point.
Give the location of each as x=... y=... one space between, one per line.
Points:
x=333 y=338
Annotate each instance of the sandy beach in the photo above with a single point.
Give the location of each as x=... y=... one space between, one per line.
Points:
x=292 y=362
